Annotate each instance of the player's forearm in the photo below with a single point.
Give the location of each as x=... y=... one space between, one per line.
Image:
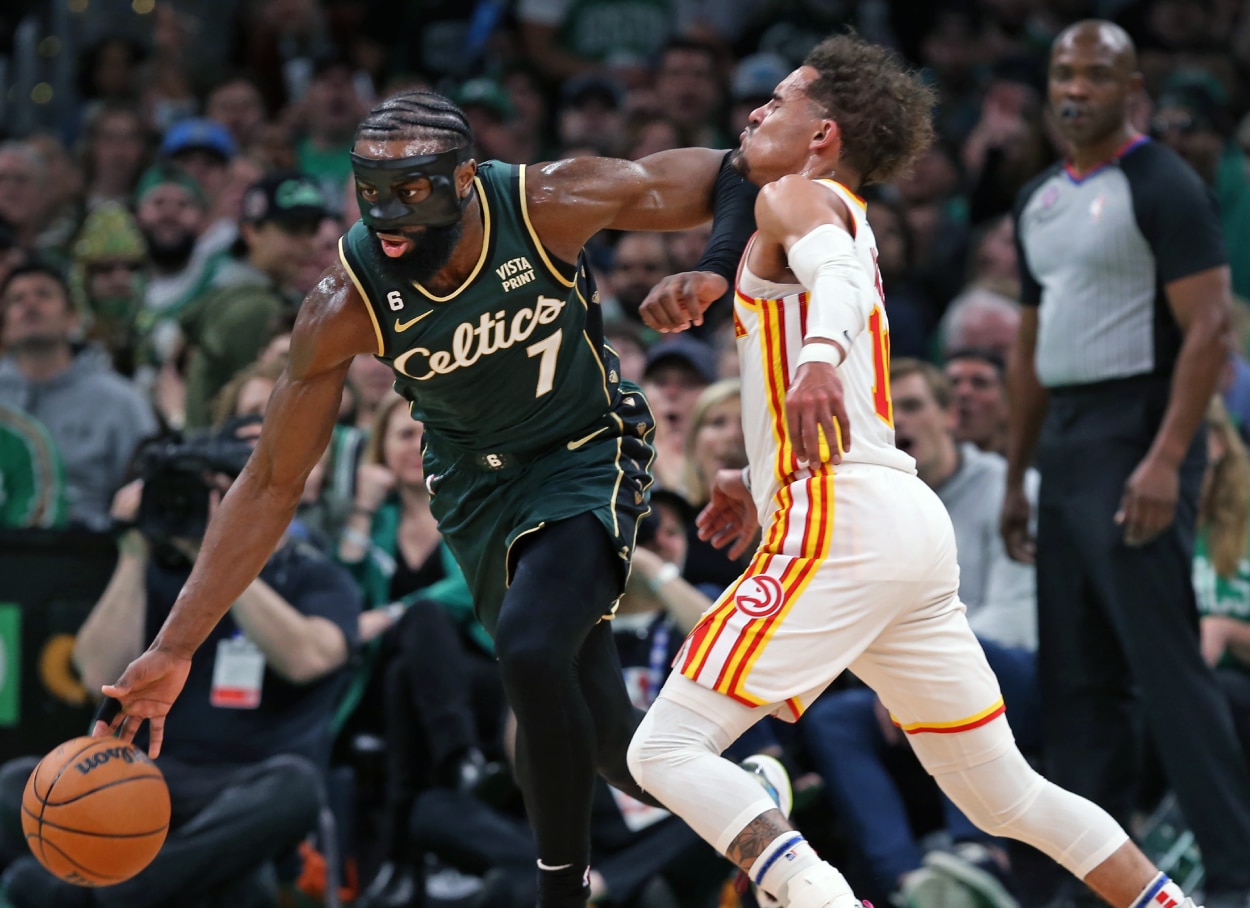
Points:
x=1203 y=356
x=733 y=223
x=1028 y=401
x=242 y=535
x=299 y=648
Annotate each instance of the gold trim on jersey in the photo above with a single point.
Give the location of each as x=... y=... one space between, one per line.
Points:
x=481 y=259
x=538 y=244
x=607 y=391
x=373 y=316
x=859 y=200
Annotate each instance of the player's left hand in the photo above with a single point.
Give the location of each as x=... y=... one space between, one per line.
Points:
x=679 y=301
x=729 y=518
x=815 y=403
x=1149 y=501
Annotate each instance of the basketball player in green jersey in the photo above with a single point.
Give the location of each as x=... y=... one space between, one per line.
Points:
x=470 y=283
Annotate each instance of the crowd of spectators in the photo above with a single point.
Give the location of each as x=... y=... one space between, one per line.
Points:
x=155 y=244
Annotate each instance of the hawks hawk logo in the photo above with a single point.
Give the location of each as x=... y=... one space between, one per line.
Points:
x=760 y=596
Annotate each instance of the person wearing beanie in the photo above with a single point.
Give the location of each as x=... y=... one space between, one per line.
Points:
x=107 y=279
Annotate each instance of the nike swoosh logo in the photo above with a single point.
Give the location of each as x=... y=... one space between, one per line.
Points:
x=404 y=326
x=577 y=443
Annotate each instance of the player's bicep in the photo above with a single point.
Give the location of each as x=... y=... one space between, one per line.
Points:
x=569 y=201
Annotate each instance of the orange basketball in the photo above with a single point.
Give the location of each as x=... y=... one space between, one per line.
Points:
x=95 y=811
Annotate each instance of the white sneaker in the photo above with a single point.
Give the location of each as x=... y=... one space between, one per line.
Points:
x=774 y=779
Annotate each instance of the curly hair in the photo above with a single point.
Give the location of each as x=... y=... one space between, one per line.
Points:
x=882 y=107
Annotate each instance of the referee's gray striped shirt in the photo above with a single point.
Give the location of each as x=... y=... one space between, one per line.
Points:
x=1096 y=253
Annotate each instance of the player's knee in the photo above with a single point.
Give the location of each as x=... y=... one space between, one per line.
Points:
x=996 y=795
x=529 y=661
x=637 y=758
x=661 y=747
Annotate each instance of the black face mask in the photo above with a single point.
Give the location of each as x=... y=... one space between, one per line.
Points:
x=441 y=207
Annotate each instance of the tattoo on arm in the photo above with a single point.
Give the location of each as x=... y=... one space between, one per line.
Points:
x=759 y=834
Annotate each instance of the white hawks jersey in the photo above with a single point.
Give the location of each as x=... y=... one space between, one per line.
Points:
x=770 y=321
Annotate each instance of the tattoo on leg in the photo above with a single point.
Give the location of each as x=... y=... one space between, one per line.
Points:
x=759 y=834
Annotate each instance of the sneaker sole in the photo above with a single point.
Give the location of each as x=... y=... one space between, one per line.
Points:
x=771 y=770
x=982 y=883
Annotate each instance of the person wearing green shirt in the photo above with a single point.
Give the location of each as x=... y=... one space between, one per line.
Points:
x=1222 y=564
x=32 y=479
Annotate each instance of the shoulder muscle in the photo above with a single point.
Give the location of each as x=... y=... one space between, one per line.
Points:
x=333 y=325
x=793 y=206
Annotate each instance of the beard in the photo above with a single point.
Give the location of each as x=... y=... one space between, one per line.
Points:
x=431 y=250
x=738 y=161
x=169 y=255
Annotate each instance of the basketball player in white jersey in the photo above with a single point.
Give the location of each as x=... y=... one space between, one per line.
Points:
x=856 y=568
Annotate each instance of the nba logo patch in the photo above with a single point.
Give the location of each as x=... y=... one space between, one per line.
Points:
x=740 y=330
x=759 y=596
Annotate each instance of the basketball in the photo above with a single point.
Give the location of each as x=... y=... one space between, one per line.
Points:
x=95 y=811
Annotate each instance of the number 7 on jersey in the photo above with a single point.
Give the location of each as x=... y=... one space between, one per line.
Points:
x=548 y=349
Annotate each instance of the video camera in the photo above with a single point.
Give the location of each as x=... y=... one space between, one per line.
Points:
x=177 y=482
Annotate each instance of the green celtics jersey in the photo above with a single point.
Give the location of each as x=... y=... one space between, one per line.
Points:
x=513 y=361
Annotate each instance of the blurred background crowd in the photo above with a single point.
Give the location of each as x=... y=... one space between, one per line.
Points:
x=174 y=177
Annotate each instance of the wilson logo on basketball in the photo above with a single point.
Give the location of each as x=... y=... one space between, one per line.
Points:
x=760 y=596
x=125 y=754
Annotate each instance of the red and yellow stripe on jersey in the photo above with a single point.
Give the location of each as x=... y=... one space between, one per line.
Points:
x=725 y=645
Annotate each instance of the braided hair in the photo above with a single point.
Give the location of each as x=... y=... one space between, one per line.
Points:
x=417 y=114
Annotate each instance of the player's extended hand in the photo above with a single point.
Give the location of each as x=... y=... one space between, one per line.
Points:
x=814 y=404
x=729 y=518
x=1149 y=501
x=1013 y=523
x=146 y=690
x=679 y=301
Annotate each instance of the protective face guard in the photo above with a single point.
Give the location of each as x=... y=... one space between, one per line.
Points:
x=441 y=208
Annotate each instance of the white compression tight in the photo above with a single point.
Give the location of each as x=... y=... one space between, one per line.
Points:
x=1004 y=796
x=675 y=755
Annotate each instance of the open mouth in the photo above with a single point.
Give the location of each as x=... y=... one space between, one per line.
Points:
x=903 y=443
x=394 y=245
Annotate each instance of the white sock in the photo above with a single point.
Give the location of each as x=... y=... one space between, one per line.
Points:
x=1160 y=892
x=819 y=886
x=787 y=856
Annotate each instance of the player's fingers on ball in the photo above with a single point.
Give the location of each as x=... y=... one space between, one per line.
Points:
x=156 y=736
x=100 y=729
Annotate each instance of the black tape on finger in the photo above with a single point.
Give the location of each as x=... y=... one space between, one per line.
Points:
x=106 y=712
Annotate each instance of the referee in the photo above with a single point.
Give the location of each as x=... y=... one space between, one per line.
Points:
x=1124 y=332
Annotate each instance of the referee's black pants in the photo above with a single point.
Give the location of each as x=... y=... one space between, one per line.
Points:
x=1118 y=629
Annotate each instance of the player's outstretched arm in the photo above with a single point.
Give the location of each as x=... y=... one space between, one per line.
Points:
x=332 y=327
x=570 y=201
